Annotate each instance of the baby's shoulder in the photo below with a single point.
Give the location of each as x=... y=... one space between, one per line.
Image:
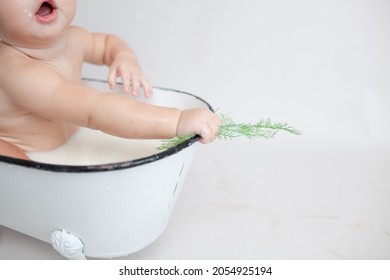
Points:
x=78 y=37
x=77 y=32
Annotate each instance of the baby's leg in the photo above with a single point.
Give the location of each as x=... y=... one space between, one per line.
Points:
x=10 y=150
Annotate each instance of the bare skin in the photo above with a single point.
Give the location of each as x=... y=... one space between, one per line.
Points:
x=42 y=100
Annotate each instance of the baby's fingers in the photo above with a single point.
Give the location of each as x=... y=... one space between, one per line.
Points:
x=126 y=80
x=124 y=76
x=147 y=88
x=135 y=85
x=112 y=74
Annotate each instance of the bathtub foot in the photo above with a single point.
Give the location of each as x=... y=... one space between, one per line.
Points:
x=68 y=245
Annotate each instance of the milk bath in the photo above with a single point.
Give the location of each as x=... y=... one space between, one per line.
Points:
x=91 y=147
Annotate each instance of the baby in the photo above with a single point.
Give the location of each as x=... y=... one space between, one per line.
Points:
x=42 y=100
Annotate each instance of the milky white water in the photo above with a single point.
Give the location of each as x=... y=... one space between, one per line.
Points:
x=89 y=147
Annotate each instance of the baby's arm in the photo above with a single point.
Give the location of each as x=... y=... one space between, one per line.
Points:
x=112 y=51
x=44 y=93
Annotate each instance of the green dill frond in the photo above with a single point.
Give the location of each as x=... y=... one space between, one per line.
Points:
x=262 y=129
x=230 y=130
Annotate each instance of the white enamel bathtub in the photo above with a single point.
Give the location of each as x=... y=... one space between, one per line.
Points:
x=98 y=196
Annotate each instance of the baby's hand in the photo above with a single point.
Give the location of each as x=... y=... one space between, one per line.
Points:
x=127 y=68
x=199 y=121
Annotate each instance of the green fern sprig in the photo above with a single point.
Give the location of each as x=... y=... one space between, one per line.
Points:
x=262 y=129
x=229 y=130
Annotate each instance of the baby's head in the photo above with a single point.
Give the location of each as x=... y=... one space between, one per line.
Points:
x=34 y=23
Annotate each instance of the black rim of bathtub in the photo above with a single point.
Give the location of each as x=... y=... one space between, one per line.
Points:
x=109 y=166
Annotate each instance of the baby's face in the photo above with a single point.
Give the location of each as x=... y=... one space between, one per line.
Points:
x=34 y=23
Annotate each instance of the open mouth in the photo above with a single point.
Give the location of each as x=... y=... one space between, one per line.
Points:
x=45 y=9
x=46 y=12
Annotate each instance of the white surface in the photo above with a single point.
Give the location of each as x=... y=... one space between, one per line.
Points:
x=323 y=66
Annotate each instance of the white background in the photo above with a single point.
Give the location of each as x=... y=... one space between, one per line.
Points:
x=324 y=67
